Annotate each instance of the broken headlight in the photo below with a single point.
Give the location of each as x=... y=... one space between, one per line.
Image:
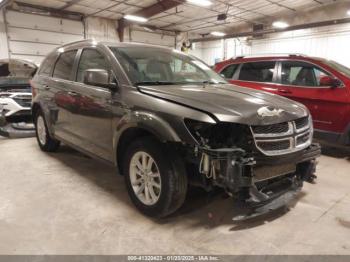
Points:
x=219 y=135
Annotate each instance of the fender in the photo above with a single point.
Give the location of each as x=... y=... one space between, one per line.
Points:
x=146 y=121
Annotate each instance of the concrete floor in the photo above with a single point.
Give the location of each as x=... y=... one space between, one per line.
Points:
x=66 y=203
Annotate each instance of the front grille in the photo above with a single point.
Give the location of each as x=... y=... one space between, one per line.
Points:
x=274 y=145
x=303 y=139
x=23 y=101
x=283 y=138
x=301 y=123
x=271 y=129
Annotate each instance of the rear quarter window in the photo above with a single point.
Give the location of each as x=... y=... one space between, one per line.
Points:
x=47 y=66
x=64 y=65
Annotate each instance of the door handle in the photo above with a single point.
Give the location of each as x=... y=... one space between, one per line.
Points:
x=72 y=93
x=284 y=91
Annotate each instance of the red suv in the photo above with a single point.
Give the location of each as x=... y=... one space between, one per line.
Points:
x=321 y=85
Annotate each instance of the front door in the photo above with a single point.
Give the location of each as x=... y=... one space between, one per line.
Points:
x=92 y=121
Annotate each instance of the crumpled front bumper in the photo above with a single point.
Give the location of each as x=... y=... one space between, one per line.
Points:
x=254 y=197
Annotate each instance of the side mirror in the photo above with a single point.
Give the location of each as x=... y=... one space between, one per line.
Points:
x=329 y=81
x=99 y=77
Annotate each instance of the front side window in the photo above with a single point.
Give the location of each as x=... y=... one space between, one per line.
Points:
x=301 y=74
x=64 y=65
x=151 y=65
x=257 y=71
x=229 y=71
x=90 y=59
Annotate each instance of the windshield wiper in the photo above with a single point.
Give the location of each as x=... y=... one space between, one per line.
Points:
x=155 y=83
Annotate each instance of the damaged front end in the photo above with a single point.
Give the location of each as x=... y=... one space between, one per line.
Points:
x=263 y=167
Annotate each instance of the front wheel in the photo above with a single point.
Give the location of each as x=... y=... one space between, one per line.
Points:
x=45 y=141
x=156 y=180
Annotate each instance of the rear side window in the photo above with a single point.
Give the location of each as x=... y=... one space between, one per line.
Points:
x=257 y=71
x=301 y=74
x=91 y=59
x=64 y=65
x=229 y=71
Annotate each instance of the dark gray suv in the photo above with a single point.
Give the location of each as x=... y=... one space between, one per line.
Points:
x=166 y=120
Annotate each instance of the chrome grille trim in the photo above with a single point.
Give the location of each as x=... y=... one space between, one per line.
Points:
x=293 y=136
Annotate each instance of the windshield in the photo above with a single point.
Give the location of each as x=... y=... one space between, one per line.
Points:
x=157 y=66
x=339 y=67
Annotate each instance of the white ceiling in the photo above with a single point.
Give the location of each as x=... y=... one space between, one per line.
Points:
x=187 y=17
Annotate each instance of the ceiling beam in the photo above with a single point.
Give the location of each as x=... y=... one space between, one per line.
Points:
x=69 y=4
x=30 y=8
x=147 y=12
x=275 y=30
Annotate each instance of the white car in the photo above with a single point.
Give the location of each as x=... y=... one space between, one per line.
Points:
x=15 y=98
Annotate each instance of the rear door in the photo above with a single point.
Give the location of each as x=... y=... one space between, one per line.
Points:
x=260 y=75
x=92 y=117
x=61 y=98
x=301 y=80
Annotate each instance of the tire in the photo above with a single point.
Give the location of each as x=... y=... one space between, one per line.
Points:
x=172 y=178
x=45 y=141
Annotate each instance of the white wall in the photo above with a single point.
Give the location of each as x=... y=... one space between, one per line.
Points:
x=215 y=51
x=101 y=29
x=3 y=37
x=331 y=42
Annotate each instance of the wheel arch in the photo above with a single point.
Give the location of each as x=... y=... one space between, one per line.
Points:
x=140 y=125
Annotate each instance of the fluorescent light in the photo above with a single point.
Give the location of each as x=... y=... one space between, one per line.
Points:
x=136 y=18
x=280 y=24
x=200 y=2
x=217 y=33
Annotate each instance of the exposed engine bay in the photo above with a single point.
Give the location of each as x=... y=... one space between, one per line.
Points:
x=262 y=167
x=15 y=98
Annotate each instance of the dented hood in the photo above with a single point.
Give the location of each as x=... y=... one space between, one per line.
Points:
x=229 y=103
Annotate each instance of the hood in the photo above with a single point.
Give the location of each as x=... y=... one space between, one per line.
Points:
x=230 y=103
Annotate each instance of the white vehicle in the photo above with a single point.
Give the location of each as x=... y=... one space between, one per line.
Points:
x=15 y=98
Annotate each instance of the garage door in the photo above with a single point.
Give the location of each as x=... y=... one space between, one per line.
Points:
x=32 y=36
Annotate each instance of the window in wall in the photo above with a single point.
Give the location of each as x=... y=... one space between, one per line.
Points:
x=257 y=71
x=229 y=71
x=64 y=65
x=91 y=59
x=301 y=74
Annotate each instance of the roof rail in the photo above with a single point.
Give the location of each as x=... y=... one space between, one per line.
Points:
x=268 y=55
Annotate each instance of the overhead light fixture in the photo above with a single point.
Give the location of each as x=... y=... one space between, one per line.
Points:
x=136 y=18
x=348 y=12
x=280 y=24
x=200 y=2
x=217 y=33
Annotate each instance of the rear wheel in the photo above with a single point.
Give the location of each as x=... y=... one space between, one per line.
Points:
x=45 y=141
x=156 y=180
